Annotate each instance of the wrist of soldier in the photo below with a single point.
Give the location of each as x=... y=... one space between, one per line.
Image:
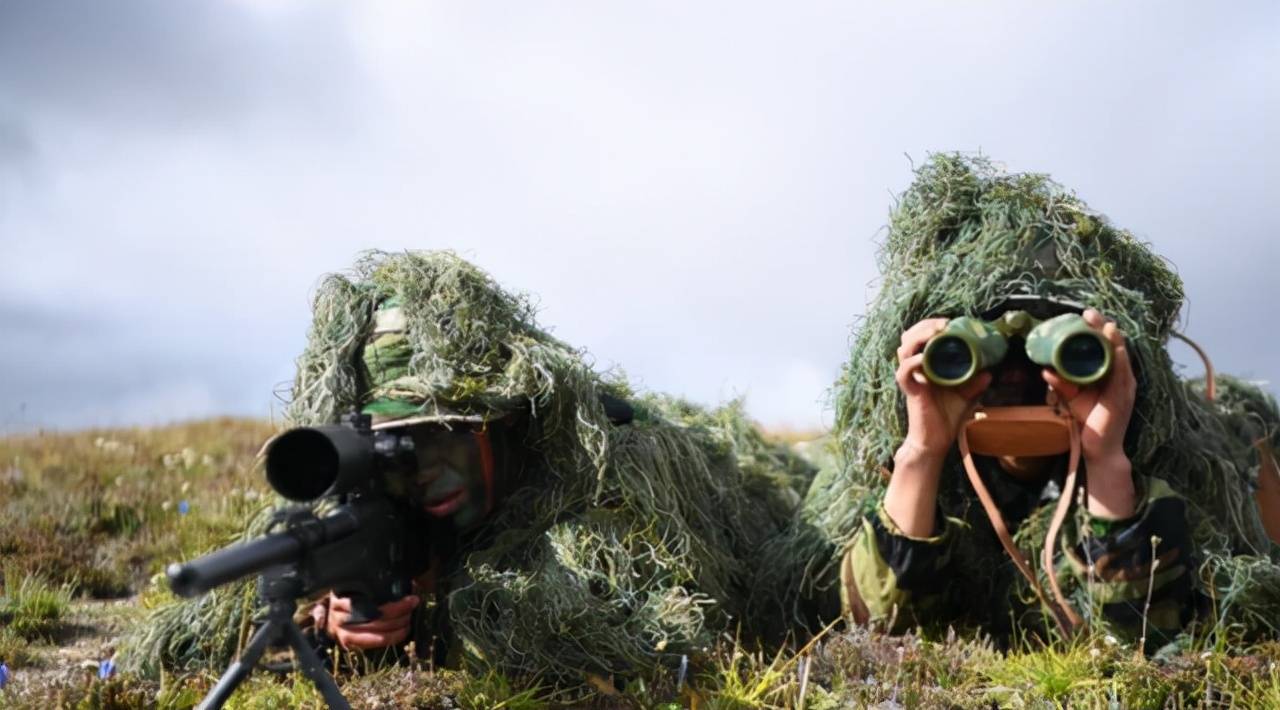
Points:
x=918 y=458
x=911 y=498
x=1111 y=493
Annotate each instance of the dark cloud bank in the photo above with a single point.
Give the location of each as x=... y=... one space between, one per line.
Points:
x=1173 y=137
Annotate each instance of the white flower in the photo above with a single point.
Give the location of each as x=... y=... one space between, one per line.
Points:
x=1110 y=640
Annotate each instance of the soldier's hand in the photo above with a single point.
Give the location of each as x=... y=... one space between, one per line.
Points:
x=934 y=413
x=390 y=629
x=1104 y=408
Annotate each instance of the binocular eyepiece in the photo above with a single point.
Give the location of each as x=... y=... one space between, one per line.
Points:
x=307 y=463
x=966 y=346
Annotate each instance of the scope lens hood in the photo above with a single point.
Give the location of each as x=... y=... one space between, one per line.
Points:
x=310 y=462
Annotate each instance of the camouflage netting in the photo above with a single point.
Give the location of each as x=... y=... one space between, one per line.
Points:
x=622 y=547
x=963 y=238
x=1245 y=588
x=1248 y=411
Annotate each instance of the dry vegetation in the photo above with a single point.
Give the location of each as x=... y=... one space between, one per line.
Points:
x=87 y=521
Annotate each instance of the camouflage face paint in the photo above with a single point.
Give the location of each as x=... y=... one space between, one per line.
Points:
x=450 y=481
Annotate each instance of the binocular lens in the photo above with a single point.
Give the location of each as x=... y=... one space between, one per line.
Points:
x=1082 y=356
x=302 y=464
x=950 y=358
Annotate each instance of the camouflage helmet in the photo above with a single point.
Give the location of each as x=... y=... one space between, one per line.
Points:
x=422 y=336
x=390 y=396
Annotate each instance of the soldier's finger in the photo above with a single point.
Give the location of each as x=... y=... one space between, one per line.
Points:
x=913 y=331
x=907 y=371
x=401 y=606
x=337 y=603
x=380 y=625
x=972 y=389
x=1066 y=390
x=368 y=640
x=1112 y=332
x=1121 y=365
x=1094 y=318
x=342 y=605
x=396 y=611
x=408 y=602
x=916 y=336
x=320 y=614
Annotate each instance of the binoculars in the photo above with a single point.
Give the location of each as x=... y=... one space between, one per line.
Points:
x=968 y=345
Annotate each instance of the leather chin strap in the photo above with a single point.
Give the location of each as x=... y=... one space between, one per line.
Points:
x=486 y=467
x=1063 y=613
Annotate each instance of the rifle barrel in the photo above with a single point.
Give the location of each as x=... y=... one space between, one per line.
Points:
x=231 y=563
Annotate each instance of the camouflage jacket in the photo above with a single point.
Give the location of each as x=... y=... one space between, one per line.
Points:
x=1115 y=572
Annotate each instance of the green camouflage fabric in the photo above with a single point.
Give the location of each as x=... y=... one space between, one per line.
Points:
x=618 y=545
x=902 y=582
x=386 y=359
x=962 y=239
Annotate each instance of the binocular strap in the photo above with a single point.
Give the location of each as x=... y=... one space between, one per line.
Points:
x=1063 y=613
x=1210 y=383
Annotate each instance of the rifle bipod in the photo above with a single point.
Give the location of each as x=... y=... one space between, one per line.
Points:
x=280 y=592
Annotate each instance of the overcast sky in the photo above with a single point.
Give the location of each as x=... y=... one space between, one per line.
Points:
x=692 y=190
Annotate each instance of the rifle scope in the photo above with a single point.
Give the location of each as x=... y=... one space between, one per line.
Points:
x=346 y=460
x=307 y=463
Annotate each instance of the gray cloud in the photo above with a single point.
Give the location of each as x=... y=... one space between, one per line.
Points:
x=15 y=144
x=151 y=61
x=61 y=367
x=693 y=191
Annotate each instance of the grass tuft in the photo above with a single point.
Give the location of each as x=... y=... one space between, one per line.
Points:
x=14 y=649
x=30 y=606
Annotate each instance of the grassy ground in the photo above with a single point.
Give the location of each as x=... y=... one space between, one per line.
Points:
x=88 y=520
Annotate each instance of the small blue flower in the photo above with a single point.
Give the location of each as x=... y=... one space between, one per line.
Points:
x=106 y=668
x=4 y=674
x=183 y=507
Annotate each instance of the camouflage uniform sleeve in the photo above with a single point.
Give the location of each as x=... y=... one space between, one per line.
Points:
x=1119 y=563
x=888 y=576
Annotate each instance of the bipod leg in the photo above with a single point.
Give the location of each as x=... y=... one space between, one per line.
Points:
x=242 y=666
x=312 y=667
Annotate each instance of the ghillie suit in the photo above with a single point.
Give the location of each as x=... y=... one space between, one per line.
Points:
x=1245 y=586
x=618 y=546
x=964 y=238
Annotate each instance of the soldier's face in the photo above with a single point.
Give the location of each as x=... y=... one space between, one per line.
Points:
x=450 y=481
